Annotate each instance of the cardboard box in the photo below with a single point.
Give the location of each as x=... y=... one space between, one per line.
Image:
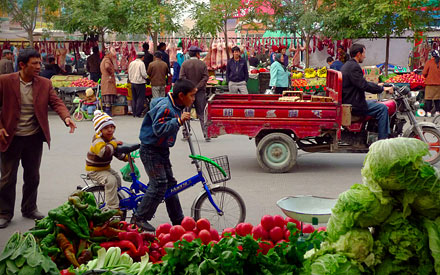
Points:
x=119 y=110
x=371 y=73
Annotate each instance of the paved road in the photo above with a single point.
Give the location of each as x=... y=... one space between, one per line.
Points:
x=315 y=174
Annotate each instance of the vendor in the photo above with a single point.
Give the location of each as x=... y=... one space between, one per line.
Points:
x=253 y=60
x=279 y=76
x=50 y=69
x=237 y=73
x=432 y=91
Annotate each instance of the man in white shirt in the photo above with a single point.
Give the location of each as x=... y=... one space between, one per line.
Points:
x=137 y=75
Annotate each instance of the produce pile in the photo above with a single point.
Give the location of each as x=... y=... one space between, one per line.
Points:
x=391 y=223
x=407 y=78
x=212 y=80
x=83 y=82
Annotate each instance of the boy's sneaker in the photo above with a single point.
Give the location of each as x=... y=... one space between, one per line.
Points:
x=146 y=226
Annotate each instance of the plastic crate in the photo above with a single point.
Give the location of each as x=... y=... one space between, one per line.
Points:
x=253 y=86
x=215 y=174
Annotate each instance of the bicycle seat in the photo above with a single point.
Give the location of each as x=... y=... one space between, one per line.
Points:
x=127 y=148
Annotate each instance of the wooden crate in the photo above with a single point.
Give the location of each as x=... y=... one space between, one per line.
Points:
x=119 y=110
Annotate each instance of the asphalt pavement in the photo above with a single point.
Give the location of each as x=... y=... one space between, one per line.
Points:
x=325 y=175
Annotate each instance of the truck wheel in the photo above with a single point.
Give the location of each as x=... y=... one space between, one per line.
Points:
x=276 y=153
x=432 y=136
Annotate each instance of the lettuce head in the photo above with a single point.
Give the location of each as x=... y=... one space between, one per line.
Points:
x=334 y=264
x=356 y=243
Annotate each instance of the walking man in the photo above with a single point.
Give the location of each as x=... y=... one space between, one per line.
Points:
x=137 y=76
x=196 y=71
x=158 y=72
x=93 y=63
x=6 y=64
x=165 y=57
x=237 y=73
x=24 y=125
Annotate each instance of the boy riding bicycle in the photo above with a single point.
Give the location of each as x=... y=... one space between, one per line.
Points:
x=158 y=133
x=100 y=155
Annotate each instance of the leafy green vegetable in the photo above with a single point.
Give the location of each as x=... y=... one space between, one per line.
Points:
x=334 y=264
x=356 y=243
x=404 y=245
x=433 y=228
x=397 y=164
x=356 y=207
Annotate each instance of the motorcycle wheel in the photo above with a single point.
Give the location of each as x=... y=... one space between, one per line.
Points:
x=432 y=136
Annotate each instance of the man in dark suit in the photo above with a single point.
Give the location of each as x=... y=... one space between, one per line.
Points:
x=354 y=87
x=196 y=71
x=24 y=126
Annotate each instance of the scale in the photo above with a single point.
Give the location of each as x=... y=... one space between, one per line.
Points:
x=310 y=209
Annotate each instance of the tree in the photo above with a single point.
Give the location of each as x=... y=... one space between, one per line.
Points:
x=153 y=17
x=301 y=17
x=26 y=12
x=374 y=19
x=92 y=17
x=211 y=18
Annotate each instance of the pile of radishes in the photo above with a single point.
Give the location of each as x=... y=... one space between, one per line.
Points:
x=271 y=231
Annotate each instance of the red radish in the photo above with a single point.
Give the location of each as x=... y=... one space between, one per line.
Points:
x=257 y=232
x=155 y=255
x=205 y=236
x=203 y=224
x=152 y=259
x=240 y=247
x=279 y=221
x=308 y=228
x=247 y=229
x=165 y=238
x=281 y=241
x=169 y=244
x=286 y=235
x=213 y=242
x=298 y=225
x=160 y=236
x=214 y=234
x=238 y=229
x=163 y=228
x=228 y=230
x=176 y=232
x=154 y=246
x=188 y=223
x=189 y=237
x=276 y=234
x=265 y=246
x=289 y=219
x=322 y=228
x=267 y=222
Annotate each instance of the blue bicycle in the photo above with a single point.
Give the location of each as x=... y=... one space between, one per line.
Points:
x=221 y=205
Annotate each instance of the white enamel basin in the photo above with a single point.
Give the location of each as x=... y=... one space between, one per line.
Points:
x=310 y=209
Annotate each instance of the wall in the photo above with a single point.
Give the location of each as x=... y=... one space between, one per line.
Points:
x=399 y=52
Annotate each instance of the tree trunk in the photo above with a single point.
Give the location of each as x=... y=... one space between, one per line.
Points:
x=226 y=40
x=387 y=55
x=154 y=35
x=31 y=37
x=102 y=33
x=307 y=38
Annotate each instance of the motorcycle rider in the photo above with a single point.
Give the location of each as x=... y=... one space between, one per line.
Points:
x=354 y=87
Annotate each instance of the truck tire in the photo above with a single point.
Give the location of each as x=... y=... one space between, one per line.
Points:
x=276 y=153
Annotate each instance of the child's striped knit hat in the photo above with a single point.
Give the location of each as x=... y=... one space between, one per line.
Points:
x=100 y=120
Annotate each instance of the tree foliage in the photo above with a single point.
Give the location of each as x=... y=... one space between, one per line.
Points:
x=302 y=17
x=92 y=17
x=26 y=12
x=153 y=17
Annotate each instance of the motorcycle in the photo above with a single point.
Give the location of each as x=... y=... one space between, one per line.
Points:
x=363 y=131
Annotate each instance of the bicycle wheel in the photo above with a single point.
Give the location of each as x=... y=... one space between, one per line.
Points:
x=229 y=201
x=99 y=194
x=78 y=116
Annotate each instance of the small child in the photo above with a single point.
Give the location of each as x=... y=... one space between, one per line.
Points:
x=100 y=155
x=89 y=103
x=158 y=133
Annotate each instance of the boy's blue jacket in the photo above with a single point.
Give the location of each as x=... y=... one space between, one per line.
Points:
x=161 y=123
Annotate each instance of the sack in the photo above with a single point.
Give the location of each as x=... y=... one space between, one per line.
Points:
x=125 y=171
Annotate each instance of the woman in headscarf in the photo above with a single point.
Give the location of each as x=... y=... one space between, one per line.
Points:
x=432 y=90
x=108 y=80
x=177 y=65
x=279 y=76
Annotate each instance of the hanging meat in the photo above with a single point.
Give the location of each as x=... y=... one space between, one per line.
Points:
x=173 y=51
x=207 y=59
x=219 y=56
x=60 y=56
x=132 y=52
x=224 y=55
x=214 y=55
